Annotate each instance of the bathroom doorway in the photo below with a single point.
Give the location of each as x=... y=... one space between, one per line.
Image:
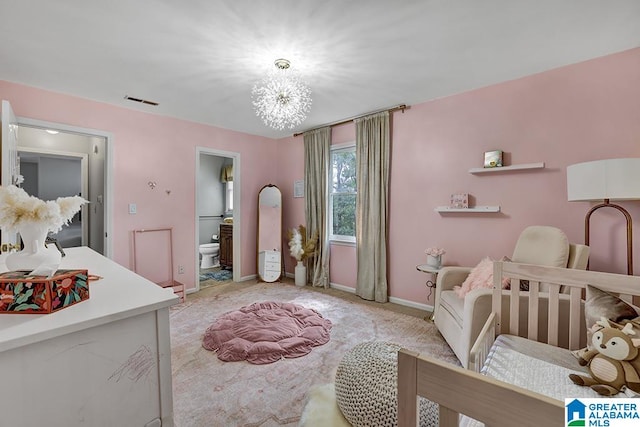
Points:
x=84 y=153
x=217 y=217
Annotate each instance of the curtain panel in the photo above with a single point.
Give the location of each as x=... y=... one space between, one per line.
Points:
x=372 y=174
x=317 y=146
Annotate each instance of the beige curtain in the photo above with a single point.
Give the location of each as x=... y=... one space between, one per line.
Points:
x=372 y=173
x=227 y=173
x=317 y=146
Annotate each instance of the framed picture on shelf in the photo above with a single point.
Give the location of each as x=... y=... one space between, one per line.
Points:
x=493 y=159
x=459 y=201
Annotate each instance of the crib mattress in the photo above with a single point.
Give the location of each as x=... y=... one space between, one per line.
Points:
x=538 y=367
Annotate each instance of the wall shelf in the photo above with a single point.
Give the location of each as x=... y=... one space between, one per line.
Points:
x=476 y=209
x=524 y=166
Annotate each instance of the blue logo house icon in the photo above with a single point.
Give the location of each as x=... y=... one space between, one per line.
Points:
x=576 y=413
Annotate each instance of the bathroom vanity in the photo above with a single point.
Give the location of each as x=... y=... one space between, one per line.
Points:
x=105 y=361
x=226 y=245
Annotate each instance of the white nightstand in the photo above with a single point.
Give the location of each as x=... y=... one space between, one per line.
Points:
x=431 y=284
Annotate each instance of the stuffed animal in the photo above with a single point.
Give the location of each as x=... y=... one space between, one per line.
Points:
x=613 y=362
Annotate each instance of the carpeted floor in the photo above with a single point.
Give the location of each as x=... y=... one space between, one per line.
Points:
x=209 y=392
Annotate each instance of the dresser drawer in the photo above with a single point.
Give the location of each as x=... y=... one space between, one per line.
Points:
x=270 y=276
x=272 y=256
x=273 y=266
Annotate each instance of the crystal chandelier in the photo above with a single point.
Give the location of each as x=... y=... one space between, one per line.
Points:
x=281 y=99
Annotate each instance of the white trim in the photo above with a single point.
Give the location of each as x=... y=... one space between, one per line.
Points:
x=108 y=179
x=348 y=243
x=237 y=209
x=342 y=288
x=412 y=304
x=394 y=300
x=346 y=146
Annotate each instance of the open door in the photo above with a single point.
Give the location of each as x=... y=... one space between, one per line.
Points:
x=9 y=168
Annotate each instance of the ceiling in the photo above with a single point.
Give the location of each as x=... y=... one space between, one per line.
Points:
x=200 y=58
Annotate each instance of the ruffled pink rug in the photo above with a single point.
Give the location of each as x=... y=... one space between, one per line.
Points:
x=265 y=332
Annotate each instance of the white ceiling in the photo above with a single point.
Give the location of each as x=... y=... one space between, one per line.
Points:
x=200 y=58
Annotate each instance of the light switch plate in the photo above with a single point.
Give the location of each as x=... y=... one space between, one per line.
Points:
x=133 y=209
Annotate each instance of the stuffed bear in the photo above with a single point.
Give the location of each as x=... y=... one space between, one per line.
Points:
x=613 y=362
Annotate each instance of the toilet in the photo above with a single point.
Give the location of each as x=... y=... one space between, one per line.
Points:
x=210 y=252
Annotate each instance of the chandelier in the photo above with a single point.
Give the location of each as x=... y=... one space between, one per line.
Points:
x=281 y=99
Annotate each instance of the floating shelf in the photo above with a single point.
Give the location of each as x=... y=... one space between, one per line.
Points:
x=539 y=165
x=477 y=209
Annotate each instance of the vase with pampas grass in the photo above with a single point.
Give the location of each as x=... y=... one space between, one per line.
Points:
x=33 y=219
x=301 y=248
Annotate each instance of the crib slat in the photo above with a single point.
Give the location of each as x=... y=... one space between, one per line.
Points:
x=575 y=318
x=514 y=308
x=554 y=315
x=496 y=300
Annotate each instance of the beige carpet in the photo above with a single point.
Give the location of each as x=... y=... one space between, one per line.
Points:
x=209 y=392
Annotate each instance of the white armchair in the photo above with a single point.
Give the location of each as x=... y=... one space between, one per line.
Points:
x=460 y=320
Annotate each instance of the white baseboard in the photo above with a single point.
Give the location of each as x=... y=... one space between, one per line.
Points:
x=394 y=300
x=249 y=277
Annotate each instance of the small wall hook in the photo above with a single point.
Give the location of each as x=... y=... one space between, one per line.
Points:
x=152 y=184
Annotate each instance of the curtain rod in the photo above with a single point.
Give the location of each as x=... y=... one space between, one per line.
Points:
x=341 y=122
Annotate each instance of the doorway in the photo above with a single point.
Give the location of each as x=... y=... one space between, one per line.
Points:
x=49 y=174
x=217 y=217
x=86 y=154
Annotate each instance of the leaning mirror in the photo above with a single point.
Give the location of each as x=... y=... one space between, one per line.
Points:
x=269 y=233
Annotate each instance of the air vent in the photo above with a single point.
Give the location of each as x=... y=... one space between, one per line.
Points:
x=142 y=101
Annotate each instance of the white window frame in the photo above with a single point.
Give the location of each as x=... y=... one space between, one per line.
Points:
x=337 y=238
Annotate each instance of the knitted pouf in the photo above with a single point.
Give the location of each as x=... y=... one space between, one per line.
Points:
x=366 y=387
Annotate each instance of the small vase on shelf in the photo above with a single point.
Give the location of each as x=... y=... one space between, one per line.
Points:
x=300 y=274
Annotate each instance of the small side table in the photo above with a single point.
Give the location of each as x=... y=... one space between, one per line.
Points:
x=431 y=284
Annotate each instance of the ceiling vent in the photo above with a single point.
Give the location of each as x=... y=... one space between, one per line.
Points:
x=142 y=101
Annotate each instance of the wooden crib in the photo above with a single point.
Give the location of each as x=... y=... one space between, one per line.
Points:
x=490 y=401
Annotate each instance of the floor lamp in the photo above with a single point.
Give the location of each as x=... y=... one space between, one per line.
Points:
x=611 y=179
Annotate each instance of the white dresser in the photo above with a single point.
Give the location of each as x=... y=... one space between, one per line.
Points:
x=105 y=361
x=270 y=265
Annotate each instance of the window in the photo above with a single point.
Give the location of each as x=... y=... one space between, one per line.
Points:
x=342 y=193
x=229 y=196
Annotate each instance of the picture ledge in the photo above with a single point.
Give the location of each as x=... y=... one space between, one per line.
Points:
x=475 y=209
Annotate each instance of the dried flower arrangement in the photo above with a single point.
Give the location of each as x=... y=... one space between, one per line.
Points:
x=435 y=252
x=300 y=247
x=18 y=209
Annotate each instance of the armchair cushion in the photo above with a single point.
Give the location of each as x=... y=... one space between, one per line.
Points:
x=542 y=245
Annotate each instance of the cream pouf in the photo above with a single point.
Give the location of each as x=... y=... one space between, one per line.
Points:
x=366 y=387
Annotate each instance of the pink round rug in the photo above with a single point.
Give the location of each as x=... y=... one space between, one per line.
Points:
x=264 y=332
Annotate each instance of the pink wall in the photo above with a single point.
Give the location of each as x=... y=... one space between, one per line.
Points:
x=577 y=113
x=150 y=147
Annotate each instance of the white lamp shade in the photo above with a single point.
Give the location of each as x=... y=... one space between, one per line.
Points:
x=614 y=179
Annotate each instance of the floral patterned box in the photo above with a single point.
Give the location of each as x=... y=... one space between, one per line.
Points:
x=22 y=293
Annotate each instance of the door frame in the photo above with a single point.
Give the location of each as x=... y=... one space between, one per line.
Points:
x=108 y=167
x=237 y=208
x=84 y=179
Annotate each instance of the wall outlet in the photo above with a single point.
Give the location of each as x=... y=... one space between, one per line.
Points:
x=181 y=269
